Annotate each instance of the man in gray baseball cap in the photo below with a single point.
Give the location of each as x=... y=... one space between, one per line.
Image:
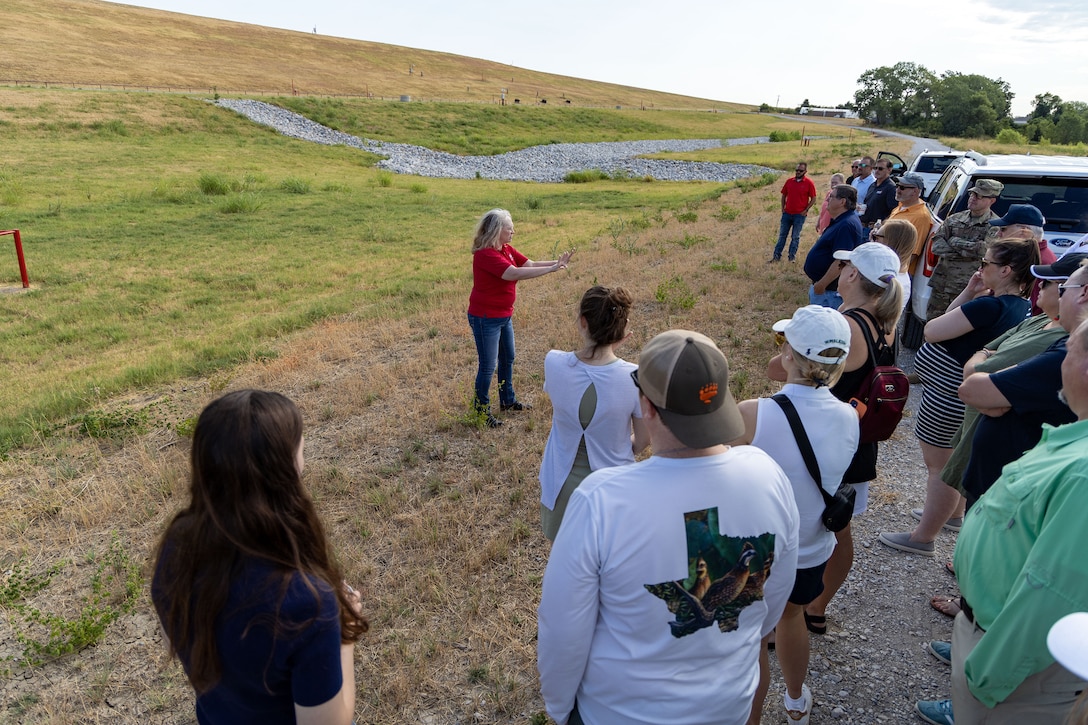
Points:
x=960 y=242
x=909 y=191
x=688 y=556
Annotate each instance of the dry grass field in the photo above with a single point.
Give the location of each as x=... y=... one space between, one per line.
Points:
x=435 y=520
x=95 y=44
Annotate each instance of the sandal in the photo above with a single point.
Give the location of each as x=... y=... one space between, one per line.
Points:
x=816 y=623
x=946 y=605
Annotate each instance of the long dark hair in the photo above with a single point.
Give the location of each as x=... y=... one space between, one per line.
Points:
x=247 y=501
x=1020 y=255
x=606 y=311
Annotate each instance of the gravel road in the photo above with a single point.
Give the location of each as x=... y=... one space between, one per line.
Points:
x=548 y=163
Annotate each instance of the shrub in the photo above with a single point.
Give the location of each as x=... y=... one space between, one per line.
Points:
x=214 y=184
x=1011 y=136
x=687 y=217
x=385 y=179
x=777 y=136
x=295 y=185
x=241 y=204
x=727 y=213
x=418 y=188
x=675 y=293
x=586 y=176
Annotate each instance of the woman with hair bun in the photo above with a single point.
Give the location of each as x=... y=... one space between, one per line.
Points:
x=596 y=418
x=250 y=597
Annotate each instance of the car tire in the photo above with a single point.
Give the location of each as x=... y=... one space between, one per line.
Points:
x=913 y=330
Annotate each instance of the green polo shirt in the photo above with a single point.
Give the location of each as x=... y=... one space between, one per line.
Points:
x=1022 y=560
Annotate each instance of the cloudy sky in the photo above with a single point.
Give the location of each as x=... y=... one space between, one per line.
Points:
x=774 y=51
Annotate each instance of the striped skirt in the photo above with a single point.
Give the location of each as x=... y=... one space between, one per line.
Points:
x=941 y=410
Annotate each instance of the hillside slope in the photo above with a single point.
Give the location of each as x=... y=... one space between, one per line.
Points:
x=93 y=43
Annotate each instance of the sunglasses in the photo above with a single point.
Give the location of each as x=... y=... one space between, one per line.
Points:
x=1063 y=287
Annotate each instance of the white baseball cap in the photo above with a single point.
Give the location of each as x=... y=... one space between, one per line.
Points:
x=813 y=329
x=1068 y=642
x=876 y=262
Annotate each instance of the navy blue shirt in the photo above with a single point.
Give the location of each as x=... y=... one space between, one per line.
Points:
x=271 y=660
x=879 y=202
x=844 y=232
x=990 y=317
x=1032 y=389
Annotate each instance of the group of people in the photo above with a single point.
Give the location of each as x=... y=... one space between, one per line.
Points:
x=670 y=577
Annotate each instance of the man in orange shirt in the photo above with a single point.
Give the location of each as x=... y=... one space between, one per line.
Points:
x=798 y=196
x=908 y=192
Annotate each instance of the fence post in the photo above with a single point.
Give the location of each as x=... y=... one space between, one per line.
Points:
x=19 y=254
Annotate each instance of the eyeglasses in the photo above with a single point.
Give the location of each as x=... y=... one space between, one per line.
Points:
x=853 y=166
x=877 y=235
x=982 y=264
x=1063 y=287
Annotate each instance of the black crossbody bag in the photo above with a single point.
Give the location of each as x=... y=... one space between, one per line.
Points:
x=838 y=509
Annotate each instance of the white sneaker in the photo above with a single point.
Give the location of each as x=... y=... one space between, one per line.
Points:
x=800 y=717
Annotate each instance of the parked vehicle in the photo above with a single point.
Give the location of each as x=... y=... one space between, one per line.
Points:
x=930 y=165
x=1057 y=185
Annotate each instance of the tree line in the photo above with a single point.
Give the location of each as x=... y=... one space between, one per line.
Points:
x=912 y=97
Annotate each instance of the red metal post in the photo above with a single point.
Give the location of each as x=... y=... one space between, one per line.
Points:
x=19 y=254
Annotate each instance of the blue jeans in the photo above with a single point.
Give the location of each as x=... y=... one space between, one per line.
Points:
x=796 y=221
x=495 y=348
x=831 y=298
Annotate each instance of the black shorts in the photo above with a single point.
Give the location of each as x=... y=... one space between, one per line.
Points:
x=808 y=584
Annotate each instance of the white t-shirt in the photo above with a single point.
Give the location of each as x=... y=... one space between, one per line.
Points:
x=630 y=656
x=832 y=428
x=608 y=437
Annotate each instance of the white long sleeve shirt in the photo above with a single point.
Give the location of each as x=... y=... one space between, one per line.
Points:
x=606 y=639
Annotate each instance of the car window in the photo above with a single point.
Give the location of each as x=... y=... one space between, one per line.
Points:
x=933 y=164
x=1063 y=202
x=947 y=194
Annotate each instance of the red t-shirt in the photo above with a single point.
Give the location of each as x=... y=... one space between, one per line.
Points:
x=493 y=296
x=798 y=194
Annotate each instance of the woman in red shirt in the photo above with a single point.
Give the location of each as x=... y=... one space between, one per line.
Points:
x=496 y=269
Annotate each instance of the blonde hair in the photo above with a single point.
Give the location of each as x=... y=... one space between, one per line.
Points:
x=900 y=235
x=819 y=373
x=489 y=228
x=889 y=301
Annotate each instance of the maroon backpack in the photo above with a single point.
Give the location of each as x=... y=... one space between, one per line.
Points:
x=882 y=395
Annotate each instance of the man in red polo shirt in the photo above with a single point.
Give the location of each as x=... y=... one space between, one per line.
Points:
x=798 y=196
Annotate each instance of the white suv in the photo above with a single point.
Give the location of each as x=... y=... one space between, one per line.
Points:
x=1057 y=185
x=930 y=165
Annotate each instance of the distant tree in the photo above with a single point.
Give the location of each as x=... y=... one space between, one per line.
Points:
x=972 y=105
x=805 y=103
x=898 y=95
x=1045 y=105
x=1072 y=124
x=1040 y=130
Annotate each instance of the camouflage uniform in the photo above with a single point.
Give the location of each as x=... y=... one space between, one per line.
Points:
x=959 y=243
